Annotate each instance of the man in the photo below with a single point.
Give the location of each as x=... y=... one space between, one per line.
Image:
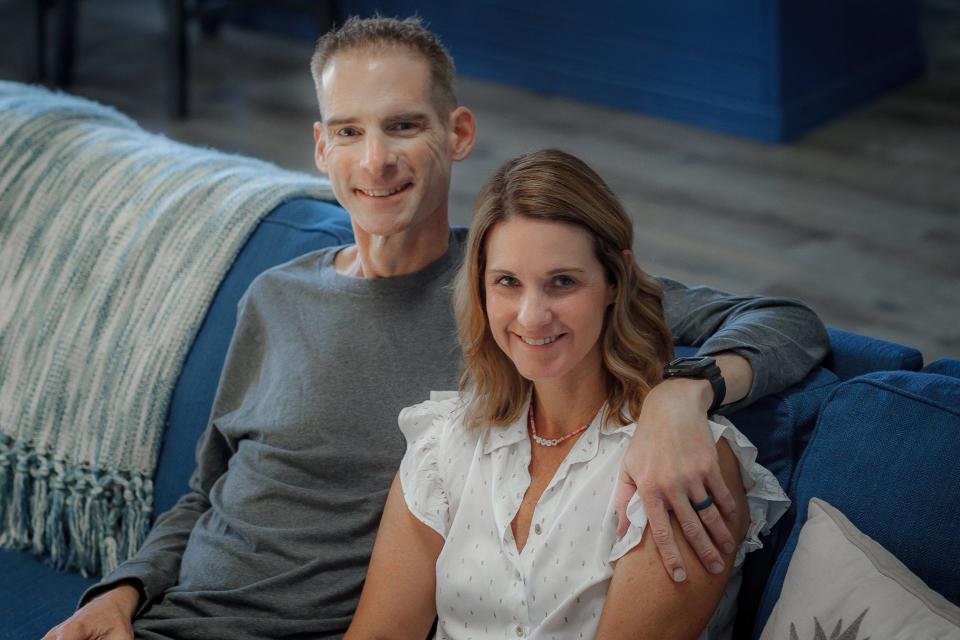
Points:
x=274 y=537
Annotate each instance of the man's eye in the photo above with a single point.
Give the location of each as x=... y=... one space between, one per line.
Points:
x=347 y=132
x=405 y=127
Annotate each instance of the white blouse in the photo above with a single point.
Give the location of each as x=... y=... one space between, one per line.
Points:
x=467 y=485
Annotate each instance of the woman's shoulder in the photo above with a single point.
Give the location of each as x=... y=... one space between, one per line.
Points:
x=441 y=418
x=442 y=405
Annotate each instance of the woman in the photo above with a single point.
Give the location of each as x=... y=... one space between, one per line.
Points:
x=501 y=520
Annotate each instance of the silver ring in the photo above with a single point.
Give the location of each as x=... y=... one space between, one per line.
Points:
x=703 y=504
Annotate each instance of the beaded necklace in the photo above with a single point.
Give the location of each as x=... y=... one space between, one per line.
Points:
x=544 y=442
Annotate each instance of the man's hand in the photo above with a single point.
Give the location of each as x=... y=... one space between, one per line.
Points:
x=109 y=616
x=672 y=462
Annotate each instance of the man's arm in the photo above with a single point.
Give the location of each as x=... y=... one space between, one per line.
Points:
x=106 y=609
x=156 y=566
x=762 y=345
x=781 y=338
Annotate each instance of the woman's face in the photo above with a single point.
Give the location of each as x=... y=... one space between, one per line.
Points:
x=546 y=296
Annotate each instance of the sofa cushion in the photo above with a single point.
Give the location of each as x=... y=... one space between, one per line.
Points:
x=843 y=582
x=885 y=453
x=291 y=230
x=34 y=596
x=852 y=354
x=945 y=367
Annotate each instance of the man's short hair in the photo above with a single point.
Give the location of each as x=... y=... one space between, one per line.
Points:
x=379 y=33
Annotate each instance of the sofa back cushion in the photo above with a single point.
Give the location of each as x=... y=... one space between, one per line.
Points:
x=852 y=354
x=885 y=453
x=945 y=367
x=291 y=230
x=780 y=426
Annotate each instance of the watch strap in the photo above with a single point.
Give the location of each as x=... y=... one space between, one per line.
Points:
x=700 y=368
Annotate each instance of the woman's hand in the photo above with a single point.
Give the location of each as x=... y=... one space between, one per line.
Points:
x=672 y=462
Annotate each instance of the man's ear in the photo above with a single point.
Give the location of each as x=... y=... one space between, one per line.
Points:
x=319 y=148
x=463 y=133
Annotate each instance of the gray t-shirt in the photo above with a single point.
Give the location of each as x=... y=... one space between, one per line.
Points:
x=274 y=537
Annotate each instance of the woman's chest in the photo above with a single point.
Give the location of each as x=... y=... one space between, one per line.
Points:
x=561 y=574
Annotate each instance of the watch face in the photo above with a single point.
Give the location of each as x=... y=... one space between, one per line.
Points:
x=691 y=365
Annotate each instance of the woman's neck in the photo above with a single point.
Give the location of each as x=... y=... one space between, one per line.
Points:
x=564 y=406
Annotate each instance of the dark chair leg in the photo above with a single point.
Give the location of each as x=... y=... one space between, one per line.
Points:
x=66 y=42
x=34 y=58
x=178 y=65
x=210 y=26
x=327 y=15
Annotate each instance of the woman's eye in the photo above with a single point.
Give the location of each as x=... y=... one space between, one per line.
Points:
x=564 y=281
x=507 y=281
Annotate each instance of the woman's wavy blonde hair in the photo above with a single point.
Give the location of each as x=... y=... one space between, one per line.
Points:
x=636 y=344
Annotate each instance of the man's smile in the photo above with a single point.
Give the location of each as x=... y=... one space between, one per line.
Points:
x=383 y=193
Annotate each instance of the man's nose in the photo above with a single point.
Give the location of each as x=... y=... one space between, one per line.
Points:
x=378 y=154
x=534 y=310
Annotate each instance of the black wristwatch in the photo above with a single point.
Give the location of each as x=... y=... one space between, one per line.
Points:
x=699 y=368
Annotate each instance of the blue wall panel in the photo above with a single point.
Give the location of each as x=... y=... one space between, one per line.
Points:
x=767 y=69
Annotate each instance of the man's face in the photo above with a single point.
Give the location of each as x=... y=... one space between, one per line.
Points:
x=386 y=149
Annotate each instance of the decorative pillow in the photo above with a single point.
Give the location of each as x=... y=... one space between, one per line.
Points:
x=842 y=585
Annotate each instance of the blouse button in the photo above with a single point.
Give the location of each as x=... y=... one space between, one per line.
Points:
x=536 y=529
x=519 y=631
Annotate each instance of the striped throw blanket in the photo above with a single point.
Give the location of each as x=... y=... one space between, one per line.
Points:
x=113 y=242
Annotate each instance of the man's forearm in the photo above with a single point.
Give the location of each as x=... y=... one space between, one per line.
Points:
x=781 y=338
x=737 y=375
x=126 y=596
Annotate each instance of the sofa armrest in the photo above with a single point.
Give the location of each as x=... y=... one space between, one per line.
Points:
x=852 y=354
x=884 y=453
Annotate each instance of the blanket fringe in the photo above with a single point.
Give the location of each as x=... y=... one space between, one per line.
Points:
x=86 y=520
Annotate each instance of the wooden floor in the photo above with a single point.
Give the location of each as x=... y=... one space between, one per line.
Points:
x=861 y=218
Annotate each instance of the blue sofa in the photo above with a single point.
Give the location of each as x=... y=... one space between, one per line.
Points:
x=862 y=431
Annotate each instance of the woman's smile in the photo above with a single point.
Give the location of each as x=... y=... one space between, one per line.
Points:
x=539 y=342
x=546 y=296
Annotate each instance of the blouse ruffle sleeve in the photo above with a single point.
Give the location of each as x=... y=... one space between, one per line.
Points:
x=766 y=500
x=421 y=478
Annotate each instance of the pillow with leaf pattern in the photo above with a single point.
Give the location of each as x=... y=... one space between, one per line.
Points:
x=842 y=585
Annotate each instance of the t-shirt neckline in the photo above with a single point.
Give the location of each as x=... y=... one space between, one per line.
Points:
x=380 y=286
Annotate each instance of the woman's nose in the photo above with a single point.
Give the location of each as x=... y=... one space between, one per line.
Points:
x=534 y=310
